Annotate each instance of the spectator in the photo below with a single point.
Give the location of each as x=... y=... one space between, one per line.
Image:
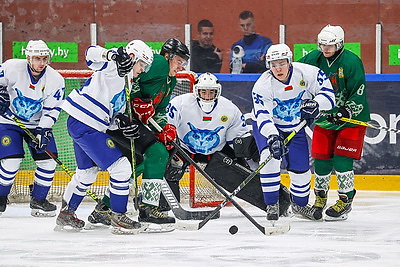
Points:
x=206 y=57
x=252 y=44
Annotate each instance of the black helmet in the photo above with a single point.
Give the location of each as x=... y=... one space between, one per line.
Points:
x=175 y=47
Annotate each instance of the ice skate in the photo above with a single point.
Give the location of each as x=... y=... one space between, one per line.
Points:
x=42 y=208
x=100 y=215
x=123 y=225
x=304 y=211
x=320 y=203
x=67 y=221
x=272 y=213
x=3 y=204
x=339 y=211
x=155 y=221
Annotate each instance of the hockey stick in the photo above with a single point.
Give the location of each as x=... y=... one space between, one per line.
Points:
x=263 y=229
x=369 y=125
x=250 y=177
x=179 y=212
x=128 y=106
x=48 y=152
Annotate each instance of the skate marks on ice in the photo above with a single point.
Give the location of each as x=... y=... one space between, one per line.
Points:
x=369 y=237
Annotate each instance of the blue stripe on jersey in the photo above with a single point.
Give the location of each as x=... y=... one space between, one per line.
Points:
x=263 y=124
x=51 y=117
x=94 y=101
x=329 y=98
x=287 y=126
x=89 y=62
x=87 y=112
x=104 y=66
x=261 y=112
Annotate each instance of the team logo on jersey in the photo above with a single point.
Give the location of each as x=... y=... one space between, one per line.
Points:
x=302 y=83
x=340 y=72
x=110 y=143
x=5 y=140
x=224 y=118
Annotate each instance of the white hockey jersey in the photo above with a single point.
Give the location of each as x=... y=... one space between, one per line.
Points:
x=102 y=96
x=35 y=103
x=203 y=133
x=277 y=105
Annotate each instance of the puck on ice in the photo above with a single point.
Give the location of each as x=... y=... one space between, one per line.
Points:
x=233 y=229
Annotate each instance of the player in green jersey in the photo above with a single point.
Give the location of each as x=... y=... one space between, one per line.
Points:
x=150 y=95
x=336 y=144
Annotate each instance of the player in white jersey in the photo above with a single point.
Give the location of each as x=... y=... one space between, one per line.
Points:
x=32 y=91
x=282 y=97
x=207 y=125
x=93 y=109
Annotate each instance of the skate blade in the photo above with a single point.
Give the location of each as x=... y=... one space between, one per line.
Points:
x=67 y=229
x=92 y=226
x=157 y=228
x=124 y=231
x=41 y=213
x=334 y=219
x=277 y=229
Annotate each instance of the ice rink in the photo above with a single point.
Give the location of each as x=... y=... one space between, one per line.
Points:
x=370 y=237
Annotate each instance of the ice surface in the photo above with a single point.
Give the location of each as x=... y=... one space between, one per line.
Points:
x=370 y=237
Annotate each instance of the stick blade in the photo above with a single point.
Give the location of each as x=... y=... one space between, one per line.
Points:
x=277 y=229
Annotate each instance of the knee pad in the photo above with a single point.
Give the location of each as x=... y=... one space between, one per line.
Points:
x=80 y=182
x=44 y=172
x=120 y=174
x=8 y=170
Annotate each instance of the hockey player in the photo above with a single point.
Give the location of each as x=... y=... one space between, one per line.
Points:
x=207 y=125
x=93 y=109
x=150 y=96
x=337 y=144
x=32 y=91
x=282 y=97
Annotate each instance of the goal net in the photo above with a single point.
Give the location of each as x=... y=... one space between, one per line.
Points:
x=194 y=188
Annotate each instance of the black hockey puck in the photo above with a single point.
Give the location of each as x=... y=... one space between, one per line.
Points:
x=233 y=229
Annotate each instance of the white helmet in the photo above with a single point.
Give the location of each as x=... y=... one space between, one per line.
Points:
x=209 y=82
x=37 y=48
x=141 y=51
x=278 y=51
x=331 y=35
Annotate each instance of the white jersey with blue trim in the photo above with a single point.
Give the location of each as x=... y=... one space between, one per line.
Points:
x=205 y=133
x=277 y=105
x=35 y=102
x=102 y=96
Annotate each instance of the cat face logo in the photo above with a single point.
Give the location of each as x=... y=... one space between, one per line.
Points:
x=5 y=140
x=224 y=118
x=110 y=143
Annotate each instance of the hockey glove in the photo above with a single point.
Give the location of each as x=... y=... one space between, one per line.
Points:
x=4 y=100
x=168 y=135
x=43 y=136
x=143 y=110
x=309 y=111
x=343 y=112
x=276 y=146
x=129 y=130
x=124 y=62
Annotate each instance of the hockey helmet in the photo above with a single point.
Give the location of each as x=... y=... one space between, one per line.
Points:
x=331 y=35
x=37 y=48
x=207 y=81
x=141 y=51
x=175 y=47
x=276 y=52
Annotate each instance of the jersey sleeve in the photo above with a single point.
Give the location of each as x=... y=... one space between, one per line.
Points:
x=356 y=87
x=52 y=102
x=263 y=107
x=238 y=126
x=321 y=88
x=94 y=58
